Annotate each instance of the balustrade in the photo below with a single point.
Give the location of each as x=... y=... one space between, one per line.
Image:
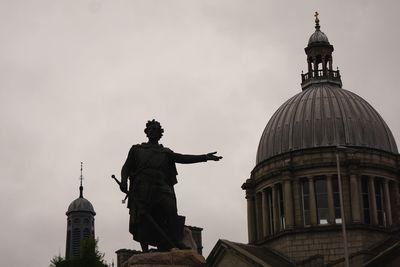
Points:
x=321 y=74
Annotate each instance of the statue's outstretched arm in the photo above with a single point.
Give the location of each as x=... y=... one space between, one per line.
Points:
x=187 y=159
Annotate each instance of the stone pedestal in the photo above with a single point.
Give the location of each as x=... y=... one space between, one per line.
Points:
x=175 y=258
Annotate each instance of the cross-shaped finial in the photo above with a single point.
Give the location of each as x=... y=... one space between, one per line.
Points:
x=81 y=178
x=316 y=20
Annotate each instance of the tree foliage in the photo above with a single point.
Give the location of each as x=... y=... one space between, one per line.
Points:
x=56 y=261
x=90 y=256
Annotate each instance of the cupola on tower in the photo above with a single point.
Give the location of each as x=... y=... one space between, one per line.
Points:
x=80 y=222
x=294 y=194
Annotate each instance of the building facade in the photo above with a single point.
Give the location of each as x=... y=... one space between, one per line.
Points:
x=294 y=194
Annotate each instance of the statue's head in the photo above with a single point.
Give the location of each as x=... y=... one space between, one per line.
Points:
x=153 y=130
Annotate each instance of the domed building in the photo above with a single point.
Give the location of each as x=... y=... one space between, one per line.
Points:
x=80 y=223
x=325 y=188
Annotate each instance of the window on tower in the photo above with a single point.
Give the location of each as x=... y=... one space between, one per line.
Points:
x=86 y=233
x=68 y=246
x=76 y=240
x=281 y=208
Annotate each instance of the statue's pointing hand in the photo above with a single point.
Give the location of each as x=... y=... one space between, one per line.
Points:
x=212 y=156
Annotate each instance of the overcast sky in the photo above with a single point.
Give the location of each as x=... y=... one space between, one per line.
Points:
x=79 y=79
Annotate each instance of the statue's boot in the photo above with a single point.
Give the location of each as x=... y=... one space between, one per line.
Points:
x=181 y=245
x=145 y=247
x=177 y=231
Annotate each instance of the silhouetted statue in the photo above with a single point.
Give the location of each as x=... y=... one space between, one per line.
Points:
x=151 y=171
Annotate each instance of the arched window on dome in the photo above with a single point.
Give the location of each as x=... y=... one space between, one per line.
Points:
x=305 y=195
x=365 y=199
x=336 y=199
x=319 y=198
x=321 y=195
x=380 y=209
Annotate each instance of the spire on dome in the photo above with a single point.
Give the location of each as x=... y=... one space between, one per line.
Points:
x=81 y=186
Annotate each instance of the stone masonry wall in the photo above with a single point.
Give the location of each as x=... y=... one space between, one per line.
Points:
x=329 y=244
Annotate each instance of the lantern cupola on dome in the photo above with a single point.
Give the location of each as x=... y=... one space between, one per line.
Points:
x=319 y=59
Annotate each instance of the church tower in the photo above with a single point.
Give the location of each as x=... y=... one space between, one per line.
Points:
x=80 y=222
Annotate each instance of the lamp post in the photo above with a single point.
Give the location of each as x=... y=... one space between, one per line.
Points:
x=346 y=252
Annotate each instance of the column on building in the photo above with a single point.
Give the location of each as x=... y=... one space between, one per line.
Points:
x=388 y=209
x=265 y=217
x=298 y=209
x=315 y=67
x=309 y=67
x=355 y=198
x=259 y=215
x=394 y=189
x=288 y=202
x=313 y=204
x=346 y=197
x=275 y=209
x=324 y=65
x=372 y=200
x=251 y=220
x=331 y=204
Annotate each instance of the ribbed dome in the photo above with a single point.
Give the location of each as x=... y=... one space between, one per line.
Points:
x=318 y=37
x=81 y=204
x=324 y=115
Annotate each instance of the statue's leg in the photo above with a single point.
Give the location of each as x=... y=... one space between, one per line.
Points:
x=174 y=223
x=180 y=232
x=160 y=237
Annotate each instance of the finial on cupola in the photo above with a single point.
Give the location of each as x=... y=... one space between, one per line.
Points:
x=316 y=20
x=81 y=178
